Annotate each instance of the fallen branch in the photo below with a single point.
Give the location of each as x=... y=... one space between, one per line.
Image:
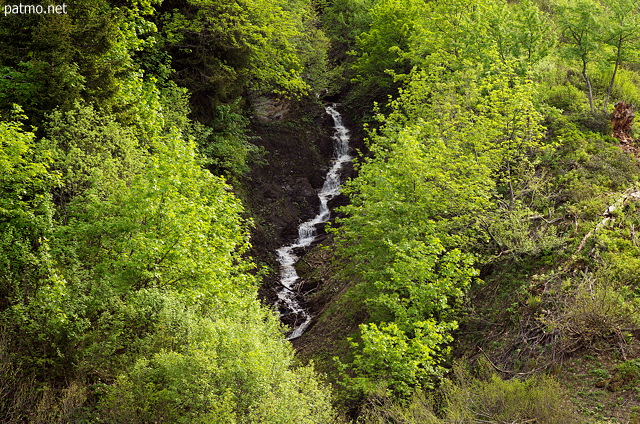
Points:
x=631 y=194
x=505 y=371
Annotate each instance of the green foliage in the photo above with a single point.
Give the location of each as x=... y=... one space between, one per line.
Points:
x=92 y=153
x=566 y=98
x=461 y=33
x=469 y=399
x=625 y=87
x=346 y=19
x=25 y=213
x=539 y=398
x=126 y=294
x=580 y=28
x=626 y=376
x=596 y=313
x=600 y=37
x=396 y=361
x=84 y=54
x=222 y=48
x=24 y=400
x=521 y=231
x=487 y=148
x=585 y=170
x=621 y=33
x=313 y=47
x=382 y=47
x=604 y=304
x=172 y=224
x=226 y=144
x=227 y=370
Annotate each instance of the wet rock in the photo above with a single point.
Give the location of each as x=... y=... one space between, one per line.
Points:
x=308 y=286
x=291 y=319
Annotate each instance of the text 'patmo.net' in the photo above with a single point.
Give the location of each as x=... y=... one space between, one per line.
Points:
x=35 y=9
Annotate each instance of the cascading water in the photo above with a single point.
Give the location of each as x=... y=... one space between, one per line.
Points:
x=288 y=296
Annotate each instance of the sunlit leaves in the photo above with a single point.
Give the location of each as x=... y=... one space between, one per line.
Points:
x=396 y=238
x=227 y=46
x=437 y=163
x=25 y=212
x=396 y=361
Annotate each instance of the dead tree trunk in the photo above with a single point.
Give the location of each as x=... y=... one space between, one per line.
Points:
x=622 y=121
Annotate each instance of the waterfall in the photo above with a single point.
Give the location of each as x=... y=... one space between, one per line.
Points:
x=288 y=296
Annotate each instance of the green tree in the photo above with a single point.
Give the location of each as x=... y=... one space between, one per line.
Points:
x=221 y=49
x=84 y=54
x=26 y=214
x=580 y=25
x=621 y=29
x=381 y=49
x=453 y=35
x=533 y=35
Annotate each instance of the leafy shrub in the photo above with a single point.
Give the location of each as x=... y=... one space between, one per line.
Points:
x=538 y=399
x=599 y=122
x=566 y=97
x=625 y=376
x=390 y=359
x=230 y=370
x=466 y=399
x=595 y=312
x=522 y=231
x=421 y=409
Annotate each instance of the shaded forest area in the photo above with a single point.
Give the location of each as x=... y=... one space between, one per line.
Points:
x=485 y=269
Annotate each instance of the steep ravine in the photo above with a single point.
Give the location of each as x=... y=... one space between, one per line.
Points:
x=282 y=192
x=292 y=293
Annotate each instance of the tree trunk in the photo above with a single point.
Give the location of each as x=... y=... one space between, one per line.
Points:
x=588 y=82
x=622 y=121
x=613 y=77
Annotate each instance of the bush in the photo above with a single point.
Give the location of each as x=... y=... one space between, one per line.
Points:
x=567 y=98
x=382 y=410
x=394 y=361
x=468 y=399
x=625 y=376
x=626 y=86
x=231 y=370
x=538 y=399
x=596 y=312
x=599 y=122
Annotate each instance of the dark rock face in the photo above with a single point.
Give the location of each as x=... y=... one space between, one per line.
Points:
x=291 y=319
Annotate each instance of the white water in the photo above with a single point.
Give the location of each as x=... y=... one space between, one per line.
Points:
x=288 y=296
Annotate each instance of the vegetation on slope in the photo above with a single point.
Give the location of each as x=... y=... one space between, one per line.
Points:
x=484 y=271
x=126 y=291
x=476 y=226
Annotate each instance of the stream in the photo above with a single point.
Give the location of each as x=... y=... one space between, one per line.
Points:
x=289 y=296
